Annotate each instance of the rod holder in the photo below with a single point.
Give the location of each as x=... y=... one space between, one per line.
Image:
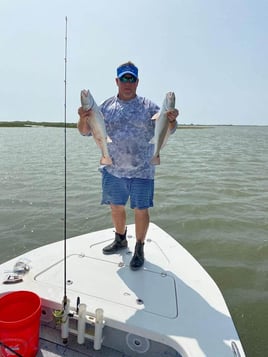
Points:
x=81 y=324
x=99 y=322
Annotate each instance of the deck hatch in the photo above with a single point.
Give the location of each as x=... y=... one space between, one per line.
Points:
x=108 y=281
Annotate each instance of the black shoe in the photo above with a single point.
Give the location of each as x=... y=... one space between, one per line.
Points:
x=137 y=260
x=120 y=242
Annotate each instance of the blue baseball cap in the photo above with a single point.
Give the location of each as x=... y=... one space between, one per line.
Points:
x=127 y=68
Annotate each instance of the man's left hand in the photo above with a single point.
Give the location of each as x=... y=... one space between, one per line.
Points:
x=172 y=115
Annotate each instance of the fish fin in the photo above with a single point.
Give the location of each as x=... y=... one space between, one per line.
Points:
x=155 y=160
x=84 y=99
x=85 y=92
x=106 y=161
x=152 y=141
x=109 y=140
x=155 y=116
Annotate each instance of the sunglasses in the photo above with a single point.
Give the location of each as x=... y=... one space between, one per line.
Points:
x=130 y=79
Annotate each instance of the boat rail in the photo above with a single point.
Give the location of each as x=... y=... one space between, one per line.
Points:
x=235 y=349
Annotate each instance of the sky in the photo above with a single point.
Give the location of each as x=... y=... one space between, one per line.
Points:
x=212 y=53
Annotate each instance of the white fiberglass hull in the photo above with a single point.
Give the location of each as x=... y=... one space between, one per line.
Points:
x=171 y=307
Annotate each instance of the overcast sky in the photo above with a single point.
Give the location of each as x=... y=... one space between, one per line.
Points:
x=211 y=53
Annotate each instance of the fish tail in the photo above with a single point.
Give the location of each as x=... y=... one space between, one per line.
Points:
x=106 y=161
x=155 y=160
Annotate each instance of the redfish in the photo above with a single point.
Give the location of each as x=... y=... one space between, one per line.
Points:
x=162 y=132
x=97 y=125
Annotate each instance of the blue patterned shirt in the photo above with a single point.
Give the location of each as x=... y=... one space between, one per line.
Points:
x=129 y=126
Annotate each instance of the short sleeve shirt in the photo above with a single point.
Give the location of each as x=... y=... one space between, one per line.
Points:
x=130 y=127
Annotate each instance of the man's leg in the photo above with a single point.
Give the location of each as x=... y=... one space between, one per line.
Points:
x=115 y=193
x=142 y=220
x=119 y=221
x=142 y=192
x=119 y=218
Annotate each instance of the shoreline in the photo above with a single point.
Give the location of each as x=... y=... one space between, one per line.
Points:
x=32 y=124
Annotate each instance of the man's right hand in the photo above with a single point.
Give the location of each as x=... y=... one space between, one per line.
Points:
x=84 y=114
x=82 y=124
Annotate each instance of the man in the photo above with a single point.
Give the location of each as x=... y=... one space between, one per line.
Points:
x=131 y=176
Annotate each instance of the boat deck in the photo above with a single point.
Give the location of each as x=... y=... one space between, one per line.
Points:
x=170 y=307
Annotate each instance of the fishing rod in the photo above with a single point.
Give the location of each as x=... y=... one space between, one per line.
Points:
x=65 y=163
x=62 y=316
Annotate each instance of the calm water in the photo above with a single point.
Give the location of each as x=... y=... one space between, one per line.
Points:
x=211 y=195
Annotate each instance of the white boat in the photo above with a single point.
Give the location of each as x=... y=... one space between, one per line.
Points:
x=171 y=307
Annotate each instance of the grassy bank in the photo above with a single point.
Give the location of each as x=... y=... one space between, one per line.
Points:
x=16 y=124
x=22 y=124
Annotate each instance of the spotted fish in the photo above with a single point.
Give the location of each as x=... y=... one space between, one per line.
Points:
x=162 y=131
x=97 y=125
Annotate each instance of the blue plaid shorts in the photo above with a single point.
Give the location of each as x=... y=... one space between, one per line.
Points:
x=117 y=191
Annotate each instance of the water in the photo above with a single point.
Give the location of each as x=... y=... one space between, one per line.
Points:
x=211 y=195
